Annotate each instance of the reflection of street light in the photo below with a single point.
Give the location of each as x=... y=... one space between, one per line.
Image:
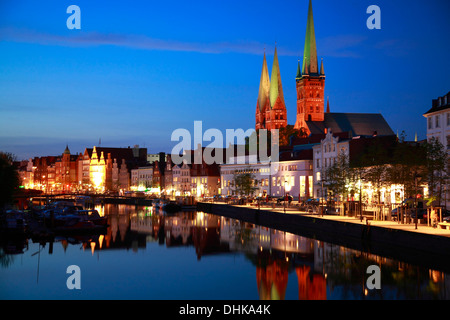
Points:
x=285 y=187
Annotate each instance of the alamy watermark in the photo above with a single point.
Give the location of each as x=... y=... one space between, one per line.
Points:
x=240 y=147
x=74 y=20
x=74 y=280
x=374 y=280
x=374 y=21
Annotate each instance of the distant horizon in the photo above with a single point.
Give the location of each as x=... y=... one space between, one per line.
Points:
x=133 y=74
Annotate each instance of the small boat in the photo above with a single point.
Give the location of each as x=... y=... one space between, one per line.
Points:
x=94 y=216
x=72 y=218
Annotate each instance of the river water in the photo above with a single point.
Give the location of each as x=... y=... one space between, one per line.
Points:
x=197 y=256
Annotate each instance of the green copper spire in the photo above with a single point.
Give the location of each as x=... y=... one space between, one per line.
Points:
x=264 y=85
x=299 y=71
x=67 y=151
x=276 y=89
x=310 y=54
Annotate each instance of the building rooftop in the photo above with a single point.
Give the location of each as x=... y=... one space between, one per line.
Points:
x=357 y=124
x=440 y=104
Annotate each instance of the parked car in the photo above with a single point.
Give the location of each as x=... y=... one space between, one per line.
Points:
x=284 y=198
x=411 y=212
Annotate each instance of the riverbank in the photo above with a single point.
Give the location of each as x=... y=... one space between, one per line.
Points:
x=423 y=246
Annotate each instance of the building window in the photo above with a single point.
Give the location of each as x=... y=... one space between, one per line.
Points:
x=448 y=119
x=437 y=124
x=430 y=123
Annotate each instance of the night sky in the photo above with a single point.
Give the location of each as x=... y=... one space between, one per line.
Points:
x=134 y=73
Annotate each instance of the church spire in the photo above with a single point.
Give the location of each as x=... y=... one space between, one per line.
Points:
x=310 y=65
x=264 y=85
x=276 y=89
x=322 y=71
x=299 y=71
x=67 y=151
x=328 y=105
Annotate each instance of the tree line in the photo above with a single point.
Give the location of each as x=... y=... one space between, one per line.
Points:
x=409 y=164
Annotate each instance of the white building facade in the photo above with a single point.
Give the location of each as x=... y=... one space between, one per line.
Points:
x=438 y=126
x=142 y=178
x=292 y=177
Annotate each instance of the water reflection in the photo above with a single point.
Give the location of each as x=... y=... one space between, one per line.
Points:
x=320 y=269
x=315 y=270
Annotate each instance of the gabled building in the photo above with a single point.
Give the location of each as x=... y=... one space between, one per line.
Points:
x=66 y=172
x=438 y=120
x=109 y=168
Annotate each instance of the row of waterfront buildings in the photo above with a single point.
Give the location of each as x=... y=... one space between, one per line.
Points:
x=298 y=169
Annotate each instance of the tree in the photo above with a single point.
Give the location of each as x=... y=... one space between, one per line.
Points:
x=374 y=160
x=244 y=183
x=9 y=179
x=289 y=131
x=408 y=162
x=338 y=175
x=436 y=158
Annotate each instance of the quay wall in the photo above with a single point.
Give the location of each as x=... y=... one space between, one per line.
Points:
x=417 y=248
x=131 y=201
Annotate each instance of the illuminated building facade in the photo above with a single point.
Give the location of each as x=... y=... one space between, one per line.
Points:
x=438 y=127
x=98 y=169
x=292 y=176
x=326 y=153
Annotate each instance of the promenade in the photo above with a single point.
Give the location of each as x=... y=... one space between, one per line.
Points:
x=410 y=227
x=425 y=245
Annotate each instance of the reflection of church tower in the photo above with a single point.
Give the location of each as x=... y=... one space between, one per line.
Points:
x=271 y=278
x=310 y=287
x=310 y=80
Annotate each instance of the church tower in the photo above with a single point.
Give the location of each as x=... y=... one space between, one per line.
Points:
x=276 y=114
x=310 y=81
x=263 y=97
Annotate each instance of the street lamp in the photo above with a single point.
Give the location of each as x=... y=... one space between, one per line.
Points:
x=360 y=199
x=287 y=188
x=416 y=176
x=321 y=209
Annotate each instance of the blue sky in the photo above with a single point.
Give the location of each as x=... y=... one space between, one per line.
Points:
x=134 y=73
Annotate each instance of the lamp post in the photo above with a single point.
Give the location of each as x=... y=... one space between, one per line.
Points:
x=415 y=197
x=321 y=197
x=360 y=200
x=285 y=186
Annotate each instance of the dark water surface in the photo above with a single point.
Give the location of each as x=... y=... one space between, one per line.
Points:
x=193 y=255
